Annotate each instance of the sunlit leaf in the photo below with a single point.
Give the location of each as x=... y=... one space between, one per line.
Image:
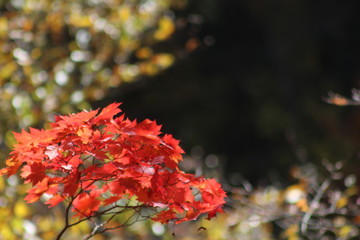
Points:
x=21 y=209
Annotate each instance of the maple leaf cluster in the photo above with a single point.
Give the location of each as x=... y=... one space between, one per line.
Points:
x=93 y=160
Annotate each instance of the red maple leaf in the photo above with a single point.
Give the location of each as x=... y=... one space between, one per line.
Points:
x=33 y=173
x=86 y=204
x=91 y=160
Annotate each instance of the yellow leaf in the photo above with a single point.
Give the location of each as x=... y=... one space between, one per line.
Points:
x=345 y=231
x=36 y=53
x=80 y=21
x=124 y=13
x=291 y=233
x=144 y=53
x=163 y=60
x=21 y=210
x=17 y=225
x=2 y=184
x=166 y=28
x=4 y=213
x=7 y=70
x=3 y=27
x=99 y=237
x=7 y=233
x=342 y=202
x=80 y=228
x=50 y=235
x=45 y=224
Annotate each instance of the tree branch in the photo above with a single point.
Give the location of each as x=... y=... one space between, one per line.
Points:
x=67 y=225
x=313 y=205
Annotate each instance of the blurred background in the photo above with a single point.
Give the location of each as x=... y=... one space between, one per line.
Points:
x=252 y=92
x=242 y=83
x=244 y=80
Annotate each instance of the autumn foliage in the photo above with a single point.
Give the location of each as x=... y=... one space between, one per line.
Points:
x=93 y=161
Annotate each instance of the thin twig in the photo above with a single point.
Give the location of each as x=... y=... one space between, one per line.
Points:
x=313 y=205
x=67 y=225
x=125 y=224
